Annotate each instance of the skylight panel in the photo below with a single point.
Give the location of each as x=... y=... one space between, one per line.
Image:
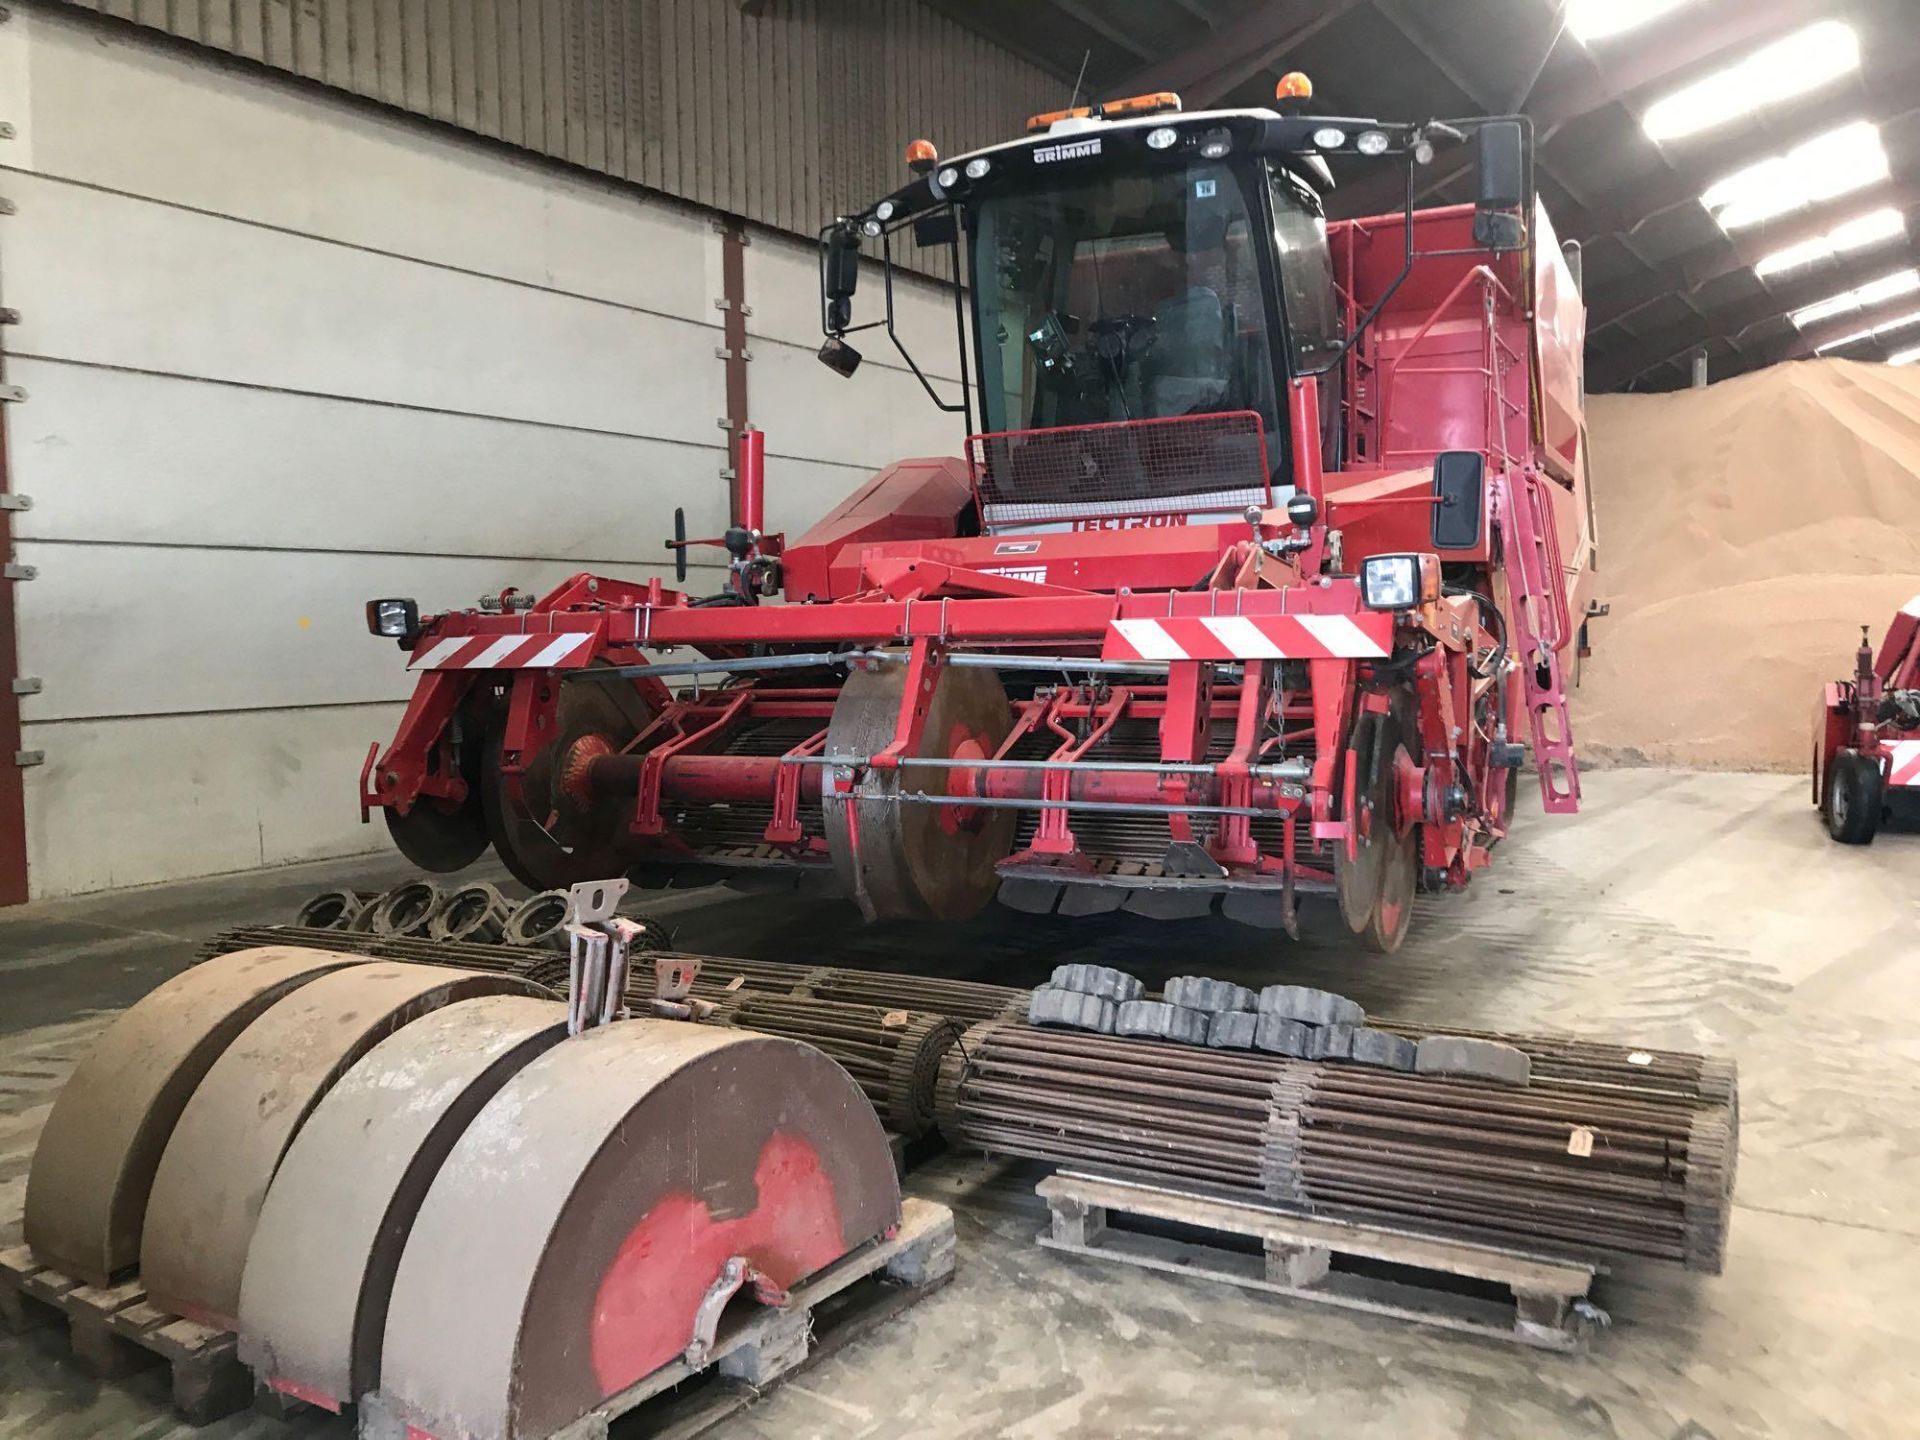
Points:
x=1906 y=357
x=1887 y=287
x=1591 y=20
x=1799 y=63
x=1823 y=168
x=1860 y=233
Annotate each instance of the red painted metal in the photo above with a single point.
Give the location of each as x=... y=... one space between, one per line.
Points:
x=1129 y=544
x=13 y=790
x=1855 y=714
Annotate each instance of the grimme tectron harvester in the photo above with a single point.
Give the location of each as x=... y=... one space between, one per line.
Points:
x=1866 y=736
x=1254 y=581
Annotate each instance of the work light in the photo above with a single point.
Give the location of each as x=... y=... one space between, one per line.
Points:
x=395 y=619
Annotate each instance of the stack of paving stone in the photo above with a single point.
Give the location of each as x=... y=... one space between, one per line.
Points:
x=1296 y=1021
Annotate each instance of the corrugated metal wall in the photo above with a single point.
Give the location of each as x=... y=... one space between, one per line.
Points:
x=786 y=115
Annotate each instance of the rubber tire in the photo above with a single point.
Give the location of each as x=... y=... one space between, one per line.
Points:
x=1855 y=798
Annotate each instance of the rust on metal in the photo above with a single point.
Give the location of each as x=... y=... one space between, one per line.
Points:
x=88 y=1187
x=1476 y=1160
x=215 y=1170
x=606 y=1186
x=313 y=1300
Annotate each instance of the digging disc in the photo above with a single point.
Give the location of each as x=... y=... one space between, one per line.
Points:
x=215 y=1170
x=88 y=1189
x=1357 y=880
x=918 y=861
x=544 y=843
x=442 y=837
x=562 y=1251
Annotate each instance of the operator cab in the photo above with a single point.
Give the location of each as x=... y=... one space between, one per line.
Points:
x=1145 y=286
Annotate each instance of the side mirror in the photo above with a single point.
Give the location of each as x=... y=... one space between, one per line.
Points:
x=1500 y=221
x=840 y=275
x=1460 y=490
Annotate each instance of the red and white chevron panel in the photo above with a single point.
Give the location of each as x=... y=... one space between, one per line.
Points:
x=1903 y=763
x=548 y=651
x=1366 y=636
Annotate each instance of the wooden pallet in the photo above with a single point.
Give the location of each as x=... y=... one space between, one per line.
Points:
x=1314 y=1259
x=114 y=1331
x=828 y=1310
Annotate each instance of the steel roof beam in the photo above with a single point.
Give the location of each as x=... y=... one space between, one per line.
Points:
x=1622 y=365
x=1221 y=62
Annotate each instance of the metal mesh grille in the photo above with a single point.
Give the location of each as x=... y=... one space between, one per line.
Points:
x=1180 y=466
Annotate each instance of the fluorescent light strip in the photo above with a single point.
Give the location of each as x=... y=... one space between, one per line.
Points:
x=1824 y=168
x=1860 y=233
x=1905 y=322
x=1887 y=287
x=1905 y=357
x=1799 y=63
x=1591 y=20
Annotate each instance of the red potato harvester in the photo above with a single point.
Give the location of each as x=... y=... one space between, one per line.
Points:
x=1866 y=746
x=1257 y=579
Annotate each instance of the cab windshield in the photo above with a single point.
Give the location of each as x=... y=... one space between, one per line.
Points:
x=1122 y=297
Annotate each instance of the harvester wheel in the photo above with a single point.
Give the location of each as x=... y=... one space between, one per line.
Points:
x=1854 y=798
x=545 y=842
x=902 y=860
x=442 y=837
x=1356 y=877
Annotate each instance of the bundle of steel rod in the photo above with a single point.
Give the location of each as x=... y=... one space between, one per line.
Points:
x=1561 y=1058
x=893 y=1055
x=1577 y=1169
x=964 y=1000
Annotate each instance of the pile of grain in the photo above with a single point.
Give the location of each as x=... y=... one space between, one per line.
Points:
x=1747 y=531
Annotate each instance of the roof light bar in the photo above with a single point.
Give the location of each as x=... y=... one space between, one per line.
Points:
x=1887 y=287
x=1107 y=110
x=1860 y=233
x=1591 y=20
x=1799 y=63
x=1823 y=168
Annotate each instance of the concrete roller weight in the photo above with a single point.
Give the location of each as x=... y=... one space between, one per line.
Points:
x=213 y=1175
x=563 y=1249
x=88 y=1187
x=313 y=1298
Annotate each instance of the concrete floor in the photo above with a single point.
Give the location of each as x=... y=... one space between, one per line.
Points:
x=1681 y=909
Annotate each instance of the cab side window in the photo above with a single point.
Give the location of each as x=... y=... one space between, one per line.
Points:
x=1306 y=274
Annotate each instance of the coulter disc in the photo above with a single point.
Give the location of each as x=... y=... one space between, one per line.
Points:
x=563 y=1250
x=216 y=1168
x=88 y=1189
x=546 y=840
x=1399 y=853
x=902 y=860
x=440 y=837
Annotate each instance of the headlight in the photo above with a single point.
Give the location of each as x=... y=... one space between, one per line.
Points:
x=1329 y=138
x=948 y=178
x=978 y=166
x=884 y=210
x=1372 y=142
x=395 y=619
x=1162 y=137
x=1400 y=582
x=871 y=229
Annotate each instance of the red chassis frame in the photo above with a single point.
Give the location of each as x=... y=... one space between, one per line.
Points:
x=1297 y=772
x=1848 y=717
